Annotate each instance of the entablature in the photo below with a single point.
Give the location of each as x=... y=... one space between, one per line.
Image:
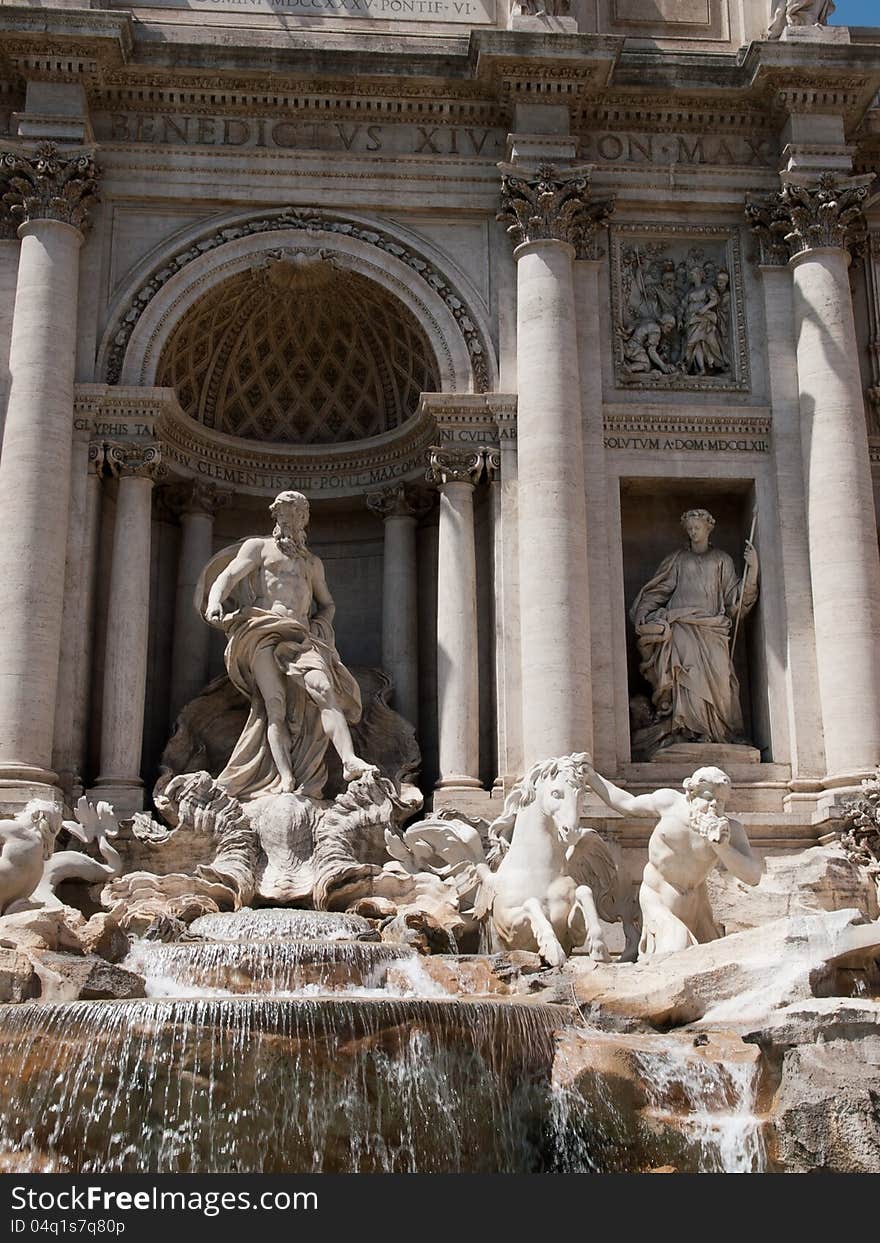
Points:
x=107 y=413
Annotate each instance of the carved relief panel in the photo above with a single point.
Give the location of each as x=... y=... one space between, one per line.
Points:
x=678 y=308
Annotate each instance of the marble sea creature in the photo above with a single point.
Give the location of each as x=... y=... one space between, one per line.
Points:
x=691 y=838
x=26 y=843
x=539 y=882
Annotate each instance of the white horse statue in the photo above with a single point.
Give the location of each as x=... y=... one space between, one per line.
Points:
x=540 y=882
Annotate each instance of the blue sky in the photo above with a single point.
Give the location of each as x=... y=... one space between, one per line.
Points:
x=857 y=13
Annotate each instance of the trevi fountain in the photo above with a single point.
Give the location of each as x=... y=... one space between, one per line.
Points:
x=439 y=681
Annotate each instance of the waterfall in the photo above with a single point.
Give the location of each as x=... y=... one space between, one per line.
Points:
x=275 y=923
x=279 y=1043
x=279 y=968
x=641 y=1102
x=257 y=1084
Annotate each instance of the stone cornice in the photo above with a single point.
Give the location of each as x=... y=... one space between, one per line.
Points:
x=193 y=452
x=659 y=421
x=64 y=44
x=469 y=77
x=478 y=418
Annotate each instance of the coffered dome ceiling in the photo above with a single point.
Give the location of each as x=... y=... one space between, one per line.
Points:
x=299 y=351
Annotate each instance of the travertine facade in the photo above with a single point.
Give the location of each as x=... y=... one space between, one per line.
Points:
x=503 y=303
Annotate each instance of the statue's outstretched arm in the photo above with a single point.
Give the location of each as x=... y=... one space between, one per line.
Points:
x=653 y=804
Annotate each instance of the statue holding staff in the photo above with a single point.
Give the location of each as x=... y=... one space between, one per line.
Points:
x=683 y=618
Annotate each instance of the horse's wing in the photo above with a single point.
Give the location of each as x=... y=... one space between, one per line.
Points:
x=591 y=862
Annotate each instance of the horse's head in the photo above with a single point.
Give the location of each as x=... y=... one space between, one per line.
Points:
x=558 y=788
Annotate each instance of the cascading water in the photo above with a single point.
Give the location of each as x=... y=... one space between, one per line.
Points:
x=643 y=1101
x=281 y=1044
x=278 y=968
x=256 y=1084
x=274 y=923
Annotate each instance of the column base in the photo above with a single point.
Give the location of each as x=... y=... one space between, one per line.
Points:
x=14 y=795
x=803 y=795
x=458 y=782
x=19 y=783
x=123 y=794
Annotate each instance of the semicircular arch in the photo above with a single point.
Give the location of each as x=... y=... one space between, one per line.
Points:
x=439 y=297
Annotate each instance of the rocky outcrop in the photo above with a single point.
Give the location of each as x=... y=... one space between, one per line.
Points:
x=43 y=930
x=738 y=979
x=823 y=878
x=103 y=937
x=57 y=954
x=826 y=1114
x=18 y=980
x=823 y=1057
x=66 y=978
x=64 y=929
x=641 y=1102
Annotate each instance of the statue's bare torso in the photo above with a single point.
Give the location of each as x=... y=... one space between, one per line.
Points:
x=676 y=853
x=284 y=584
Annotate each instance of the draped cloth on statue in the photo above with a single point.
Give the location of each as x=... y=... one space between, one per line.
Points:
x=682 y=618
x=251 y=771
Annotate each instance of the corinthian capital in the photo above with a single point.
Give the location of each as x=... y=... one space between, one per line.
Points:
x=552 y=204
x=196 y=496
x=770 y=223
x=48 y=184
x=807 y=216
x=400 y=501
x=135 y=460
x=454 y=465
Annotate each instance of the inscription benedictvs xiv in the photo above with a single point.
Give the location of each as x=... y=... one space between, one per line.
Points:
x=173 y=129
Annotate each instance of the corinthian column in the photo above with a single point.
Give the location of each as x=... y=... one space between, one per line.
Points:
x=457 y=472
x=125 y=659
x=820 y=221
x=400 y=508
x=551 y=219
x=50 y=195
x=74 y=675
x=196 y=502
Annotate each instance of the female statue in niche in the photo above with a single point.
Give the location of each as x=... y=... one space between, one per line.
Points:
x=703 y=351
x=683 y=618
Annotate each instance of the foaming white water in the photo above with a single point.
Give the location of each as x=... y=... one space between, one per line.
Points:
x=636 y=1102
x=720 y=1113
x=276 y=968
x=279 y=923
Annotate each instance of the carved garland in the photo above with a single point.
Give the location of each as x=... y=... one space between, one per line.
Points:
x=303 y=220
